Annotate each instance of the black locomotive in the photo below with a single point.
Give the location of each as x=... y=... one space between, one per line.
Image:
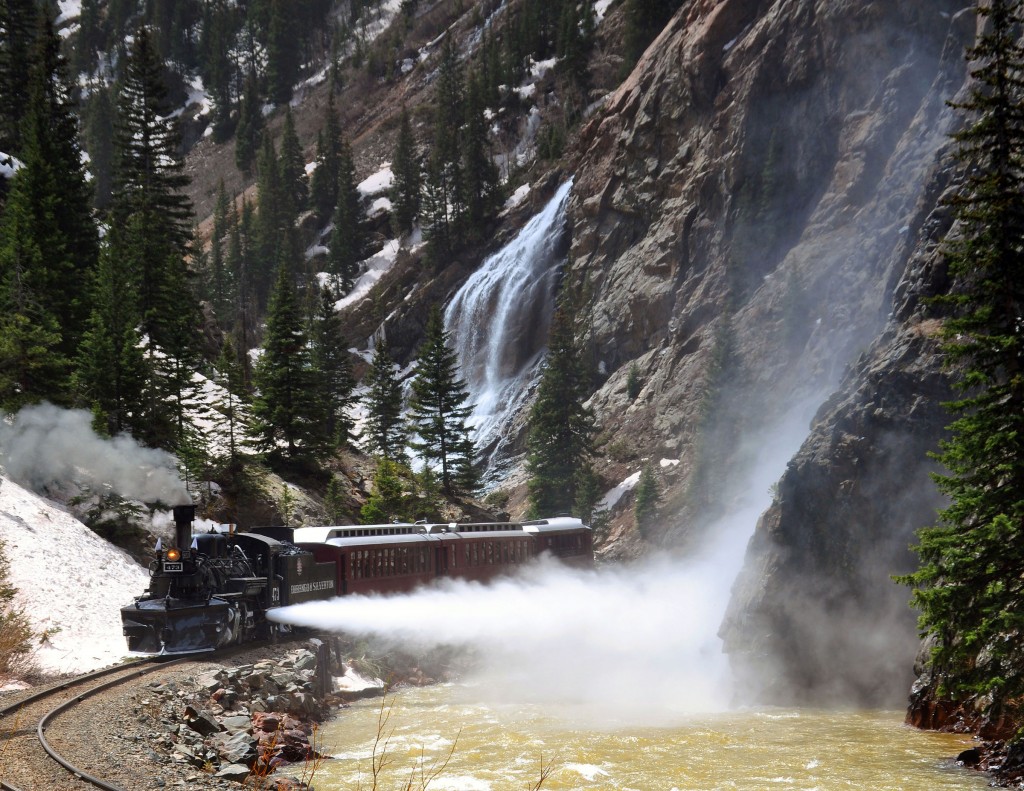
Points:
x=211 y=590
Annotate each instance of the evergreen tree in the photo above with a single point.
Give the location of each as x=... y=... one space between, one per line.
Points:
x=406 y=167
x=48 y=240
x=575 y=40
x=331 y=362
x=282 y=50
x=438 y=411
x=150 y=214
x=335 y=502
x=444 y=207
x=111 y=370
x=100 y=116
x=323 y=188
x=90 y=39
x=220 y=283
x=218 y=72
x=387 y=503
x=293 y=163
x=970 y=586
x=249 y=131
x=231 y=419
x=347 y=238
x=646 y=497
x=560 y=439
x=17 y=29
x=385 y=433
x=276 y=238
x=288 y=424
x=480 y=182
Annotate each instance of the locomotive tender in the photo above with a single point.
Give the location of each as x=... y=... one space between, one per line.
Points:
x=212 y=590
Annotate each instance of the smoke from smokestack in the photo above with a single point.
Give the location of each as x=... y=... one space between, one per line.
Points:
x=44 y=445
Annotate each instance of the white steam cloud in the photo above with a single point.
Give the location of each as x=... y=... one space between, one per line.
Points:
x=636 y=643
x=43 y=444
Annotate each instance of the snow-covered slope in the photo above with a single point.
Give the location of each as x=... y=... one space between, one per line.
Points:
x=69 y=579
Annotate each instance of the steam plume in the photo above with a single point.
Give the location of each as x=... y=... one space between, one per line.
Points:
x=629 y=643
x=43 y=444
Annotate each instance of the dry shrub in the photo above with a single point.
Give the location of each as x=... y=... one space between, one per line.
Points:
x=18 y=640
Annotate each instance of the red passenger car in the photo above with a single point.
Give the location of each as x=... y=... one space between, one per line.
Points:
x=397 y=558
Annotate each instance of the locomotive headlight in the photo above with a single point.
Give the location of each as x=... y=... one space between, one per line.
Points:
x=173 y=554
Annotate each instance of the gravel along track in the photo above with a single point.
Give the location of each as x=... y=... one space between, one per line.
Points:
x=107 y=736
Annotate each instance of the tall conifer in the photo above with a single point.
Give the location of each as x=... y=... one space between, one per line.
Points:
x=560 y=440
x=385 y=432
x=334 y=371
x=406 y=167
x=438 y=411
x=347 y=237
x=970 y=587
x=288 y=424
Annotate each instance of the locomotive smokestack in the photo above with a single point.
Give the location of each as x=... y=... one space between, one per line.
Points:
x=183 y=516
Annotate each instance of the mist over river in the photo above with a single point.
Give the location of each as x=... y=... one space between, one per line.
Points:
x=501 y=747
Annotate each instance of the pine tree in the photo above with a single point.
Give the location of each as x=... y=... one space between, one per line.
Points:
x=288 y=424
x=560 y=439
x=218 y=32
x=384 y=433
x=282 y=51
x=406 y=167
x=438 y=411
x=335 y=502
x=151 y=216
x=444 y=206
x=249 y=131
x=480 y=181
x=98 y=137
x=231 y=418
x=111 y=370
x=387 y=503
x=293 y=163
x=220 y=283
x=17 y=29
x=334 y=370
x=48 y=239
x=323 y=188
x=347 y=238
x=645 y=497
x=970 y=585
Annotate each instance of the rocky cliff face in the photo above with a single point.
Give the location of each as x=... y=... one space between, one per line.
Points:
x=754 y=214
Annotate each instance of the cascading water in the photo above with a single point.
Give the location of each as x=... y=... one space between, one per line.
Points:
x=498 y=322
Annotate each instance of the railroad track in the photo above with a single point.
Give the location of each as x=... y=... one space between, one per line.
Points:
x=30 y=717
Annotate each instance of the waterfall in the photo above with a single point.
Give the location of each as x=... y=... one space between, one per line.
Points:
x=498 y=323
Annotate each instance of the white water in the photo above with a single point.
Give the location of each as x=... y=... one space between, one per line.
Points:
x=499 y=321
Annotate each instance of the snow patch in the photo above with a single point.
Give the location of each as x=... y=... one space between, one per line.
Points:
x=9 y=165
x=517 y=197
x=376 y=266
x=68 y=579
x=377 y=183
x=69 y=9
x=612 y=496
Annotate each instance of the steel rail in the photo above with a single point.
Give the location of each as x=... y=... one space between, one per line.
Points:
x=151 y=666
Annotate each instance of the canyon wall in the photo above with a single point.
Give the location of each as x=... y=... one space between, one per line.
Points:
x=756 y=217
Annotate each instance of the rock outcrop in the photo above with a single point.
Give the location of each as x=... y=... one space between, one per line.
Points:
x=756 y=219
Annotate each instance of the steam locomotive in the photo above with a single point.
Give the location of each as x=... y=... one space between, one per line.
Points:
x=212 y=590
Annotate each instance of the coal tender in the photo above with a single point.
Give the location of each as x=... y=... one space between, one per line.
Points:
x=212 y=590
